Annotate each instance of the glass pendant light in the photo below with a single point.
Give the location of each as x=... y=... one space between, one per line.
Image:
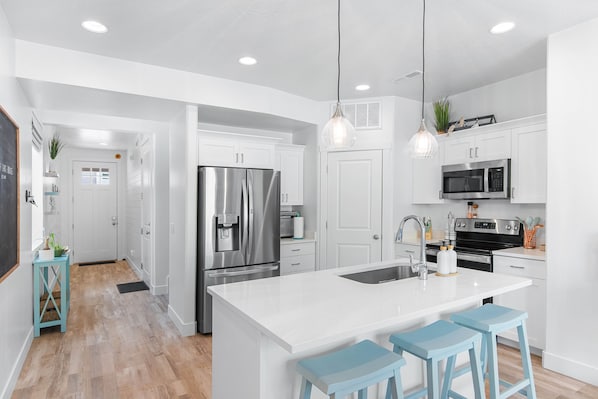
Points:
x=338 y=131
x=423 y=144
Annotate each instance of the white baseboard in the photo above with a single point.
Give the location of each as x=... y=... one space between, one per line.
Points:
x=159 y=289
x=186 y=329
x=17 y=367
x=572 y=368
x=136 y=268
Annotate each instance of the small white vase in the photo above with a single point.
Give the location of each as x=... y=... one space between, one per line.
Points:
x=51 y=167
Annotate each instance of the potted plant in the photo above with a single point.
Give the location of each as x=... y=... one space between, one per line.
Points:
x=58 y=249
x=442 y=113
x=54 y=147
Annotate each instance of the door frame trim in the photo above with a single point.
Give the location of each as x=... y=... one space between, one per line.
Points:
x=387 y=239
x=72 y=155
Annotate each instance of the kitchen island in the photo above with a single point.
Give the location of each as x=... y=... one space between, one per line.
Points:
x=261 y=328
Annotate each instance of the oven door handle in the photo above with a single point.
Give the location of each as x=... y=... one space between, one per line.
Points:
x=487 y=259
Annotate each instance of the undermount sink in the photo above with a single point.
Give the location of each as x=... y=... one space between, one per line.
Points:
x=379 y=276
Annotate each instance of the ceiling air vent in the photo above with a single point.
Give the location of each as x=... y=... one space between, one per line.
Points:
x=363 y=115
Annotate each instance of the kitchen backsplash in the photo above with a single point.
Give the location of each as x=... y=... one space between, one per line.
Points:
x=499 y=209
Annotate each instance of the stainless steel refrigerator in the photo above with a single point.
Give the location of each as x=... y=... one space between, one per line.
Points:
x=238 y=230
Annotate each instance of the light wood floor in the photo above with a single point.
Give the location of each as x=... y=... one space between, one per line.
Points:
x=125 y=346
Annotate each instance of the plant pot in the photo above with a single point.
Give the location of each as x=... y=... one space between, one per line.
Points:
x=46 y=254
x=58 y=252
x=51 y=167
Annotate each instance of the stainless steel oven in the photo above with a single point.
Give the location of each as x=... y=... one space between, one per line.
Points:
x=477 y=238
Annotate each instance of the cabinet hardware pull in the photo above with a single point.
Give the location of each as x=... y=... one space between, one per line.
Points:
x=242 y=158
x=296 y=250
x=517 y=267
x=236 y=157
x=439 y=194
x=410 y=251
x=476 y=152
x=295 y=264
x=470 y=150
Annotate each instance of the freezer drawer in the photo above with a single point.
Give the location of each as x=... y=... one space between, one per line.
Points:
x=227 y=276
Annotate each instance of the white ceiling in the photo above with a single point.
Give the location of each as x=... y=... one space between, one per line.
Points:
x=295 y=41
x=295 y=44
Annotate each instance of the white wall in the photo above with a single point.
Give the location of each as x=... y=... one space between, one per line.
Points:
x=572 y=241
x=183 y=220
x=16 y=312
x=133 y=210
x=514 y=98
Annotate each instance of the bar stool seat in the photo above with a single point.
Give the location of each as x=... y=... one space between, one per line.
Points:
x=490 y=320
x=438 y=341
x=352 y=369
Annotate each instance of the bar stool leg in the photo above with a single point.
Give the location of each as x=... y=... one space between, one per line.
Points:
x=526 y=360
x=396 y=386
x=305 y=389
x=432 y=380
x=477 y=373
x=493 y=365
x=448 y=376
x=363 y=394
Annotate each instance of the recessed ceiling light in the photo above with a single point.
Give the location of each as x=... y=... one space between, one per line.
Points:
x=94 y=26
x=362 y=87
x=502 y=27
x=247 y=61
x=103 y=143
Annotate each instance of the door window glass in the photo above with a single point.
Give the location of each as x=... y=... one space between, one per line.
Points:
x=99 y=176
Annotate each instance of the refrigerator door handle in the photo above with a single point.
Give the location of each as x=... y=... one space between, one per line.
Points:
x=256 y=270
x=251 y=221
x=244 y=211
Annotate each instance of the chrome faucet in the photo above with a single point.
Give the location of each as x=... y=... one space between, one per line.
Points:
x=422 y=267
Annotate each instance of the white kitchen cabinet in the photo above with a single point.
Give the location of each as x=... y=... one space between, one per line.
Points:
x=531 y=299
x=289 y=160
x=466 y=147
x=229 y=152
x=426 y=183
x=528 y=165
x=297 y=256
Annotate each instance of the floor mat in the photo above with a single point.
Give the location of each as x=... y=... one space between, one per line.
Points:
x=132 y=287
x=103 y=262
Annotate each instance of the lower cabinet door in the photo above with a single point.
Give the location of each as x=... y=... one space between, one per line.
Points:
x=297 y=264
x=532 y=300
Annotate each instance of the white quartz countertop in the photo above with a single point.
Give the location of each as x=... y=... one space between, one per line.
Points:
x=520 y=252
x=304 y=311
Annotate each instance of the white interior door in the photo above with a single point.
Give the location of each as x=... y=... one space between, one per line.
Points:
x=354 y=208
x=146 y=212
x=95 y=217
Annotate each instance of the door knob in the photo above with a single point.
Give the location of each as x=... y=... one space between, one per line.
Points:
x=376 y=237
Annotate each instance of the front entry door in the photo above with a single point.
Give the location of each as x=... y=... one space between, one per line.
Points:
x=95 y=217
x=146 y=212
x=354 y=208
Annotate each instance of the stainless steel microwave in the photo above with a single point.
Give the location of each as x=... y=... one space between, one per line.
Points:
x=477 y=180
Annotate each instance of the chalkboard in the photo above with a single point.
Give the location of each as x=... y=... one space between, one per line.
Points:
x=9 y=195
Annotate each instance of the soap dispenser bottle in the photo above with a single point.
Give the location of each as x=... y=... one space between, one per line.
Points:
x=452 y=259
x=442 y=258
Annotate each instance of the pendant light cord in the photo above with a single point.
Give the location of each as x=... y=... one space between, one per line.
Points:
x=423 y=57
x=338 y=58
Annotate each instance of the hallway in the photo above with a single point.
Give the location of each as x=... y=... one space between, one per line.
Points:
x=115 y=346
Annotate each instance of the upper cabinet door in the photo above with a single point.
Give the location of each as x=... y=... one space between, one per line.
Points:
x=216 y=152
x=427 y=178
x=477 y=147
x=528 y=165
x=458 y=149
x=492 y=146
x=256 y=155
x=290 y=161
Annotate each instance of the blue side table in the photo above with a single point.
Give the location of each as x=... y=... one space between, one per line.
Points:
x=51 y=293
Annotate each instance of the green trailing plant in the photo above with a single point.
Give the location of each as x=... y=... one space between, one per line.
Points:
x=442 y=113
x=55 y=145
x=58 y=249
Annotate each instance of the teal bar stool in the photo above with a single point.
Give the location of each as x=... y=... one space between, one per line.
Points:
x=438 y=341
x=352 y=369
x=490 y=320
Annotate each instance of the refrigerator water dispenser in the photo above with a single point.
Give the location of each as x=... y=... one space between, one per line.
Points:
x=227 y=232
